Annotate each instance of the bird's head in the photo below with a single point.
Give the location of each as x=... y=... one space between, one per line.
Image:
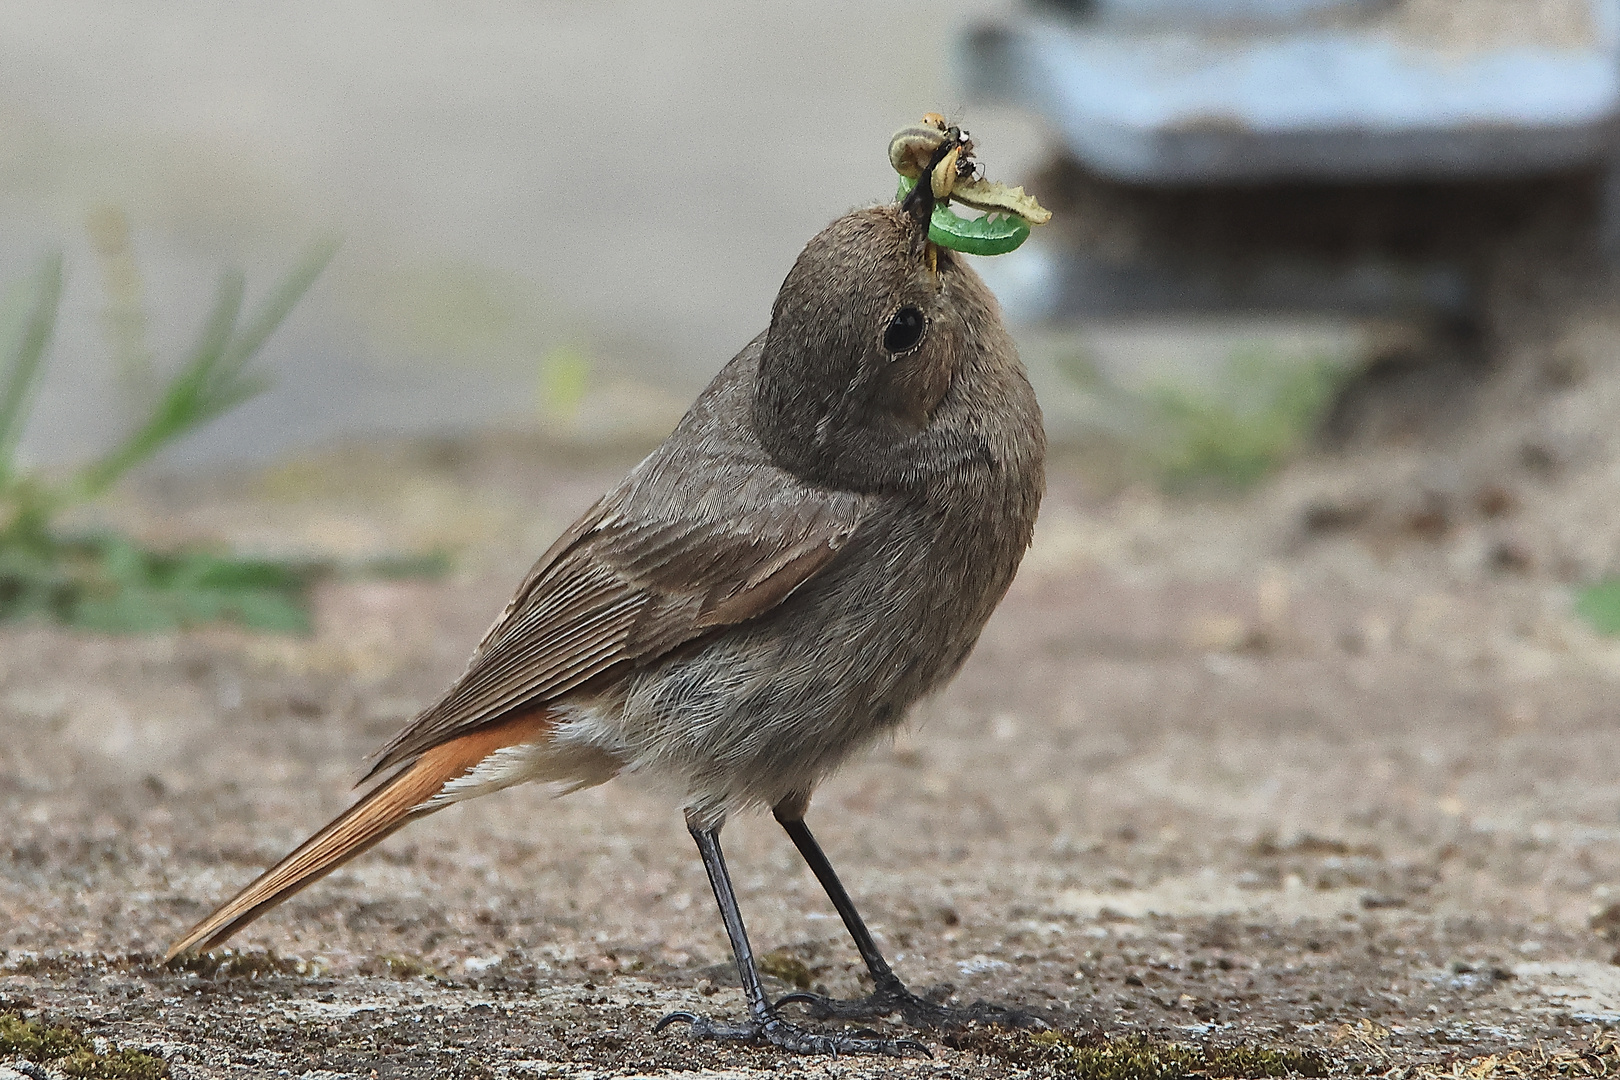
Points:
x=870 y=331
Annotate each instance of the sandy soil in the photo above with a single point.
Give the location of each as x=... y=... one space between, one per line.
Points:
x=1329 y=765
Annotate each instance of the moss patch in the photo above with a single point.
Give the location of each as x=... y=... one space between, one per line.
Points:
x=70 y=1052
x=1140 y=1057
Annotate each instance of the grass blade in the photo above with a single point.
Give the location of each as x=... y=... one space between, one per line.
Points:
x=106 y=581
x=210 y=383
x=216 y=334
x=279 y=303
x=176 y=410
x=27 y=360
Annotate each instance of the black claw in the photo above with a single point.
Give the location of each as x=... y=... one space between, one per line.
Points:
x=794 y=1039
x=798 y=997
x=678 y=1015
x=913 y=1044
x=914 y=1010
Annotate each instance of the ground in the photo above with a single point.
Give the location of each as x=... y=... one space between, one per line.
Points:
x=1328 y=765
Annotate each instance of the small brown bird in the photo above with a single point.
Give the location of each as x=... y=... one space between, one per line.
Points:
x=815 y=547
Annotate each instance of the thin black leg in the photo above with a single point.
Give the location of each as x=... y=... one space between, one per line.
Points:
x=889 y=994
x=816 y=859
x=714 y=862
x=765 y=1026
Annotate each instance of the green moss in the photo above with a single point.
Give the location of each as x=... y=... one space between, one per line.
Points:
x=1141 y=1057
x=73 y=1054
x=783 y=965
x=1263 y=1061
x=34 y=1041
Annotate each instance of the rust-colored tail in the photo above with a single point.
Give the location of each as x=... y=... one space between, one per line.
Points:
x=401 y=799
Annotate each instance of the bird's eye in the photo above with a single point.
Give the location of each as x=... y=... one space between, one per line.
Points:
x=905 y=330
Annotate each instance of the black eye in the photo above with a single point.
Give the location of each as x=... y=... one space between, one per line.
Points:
x=905 y=330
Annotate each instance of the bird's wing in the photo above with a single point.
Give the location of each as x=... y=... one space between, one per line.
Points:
x=692 y=541
x=679 y=550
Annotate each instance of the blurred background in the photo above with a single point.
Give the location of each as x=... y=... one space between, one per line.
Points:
x=568 y=214
x=1278 y=219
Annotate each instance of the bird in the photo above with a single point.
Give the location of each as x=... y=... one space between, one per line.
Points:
x=814 y=548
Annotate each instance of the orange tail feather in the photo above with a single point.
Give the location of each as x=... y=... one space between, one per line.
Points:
x=399 y=800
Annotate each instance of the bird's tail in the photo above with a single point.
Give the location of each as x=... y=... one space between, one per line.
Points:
x=413 y=792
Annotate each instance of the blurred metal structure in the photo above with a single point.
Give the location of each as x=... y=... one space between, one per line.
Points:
x=1207 y=98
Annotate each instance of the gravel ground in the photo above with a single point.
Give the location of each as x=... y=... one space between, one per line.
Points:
x=1317 y=767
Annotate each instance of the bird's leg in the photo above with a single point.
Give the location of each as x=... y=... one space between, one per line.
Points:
x=763 y=1024
x=889 y=995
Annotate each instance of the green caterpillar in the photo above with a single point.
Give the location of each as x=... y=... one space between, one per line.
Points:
x=992 y=234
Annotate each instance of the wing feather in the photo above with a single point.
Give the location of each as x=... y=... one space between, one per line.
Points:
x=641 y=573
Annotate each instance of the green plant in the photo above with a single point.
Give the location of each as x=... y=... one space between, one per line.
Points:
x=1094 y=1056
x=72 y=1054
x=565 y=375
x=1599 y=605
x=1265 y=407
x=103 y=580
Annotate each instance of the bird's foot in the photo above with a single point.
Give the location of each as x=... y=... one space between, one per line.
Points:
x=895 y=999
x=774 y=1031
